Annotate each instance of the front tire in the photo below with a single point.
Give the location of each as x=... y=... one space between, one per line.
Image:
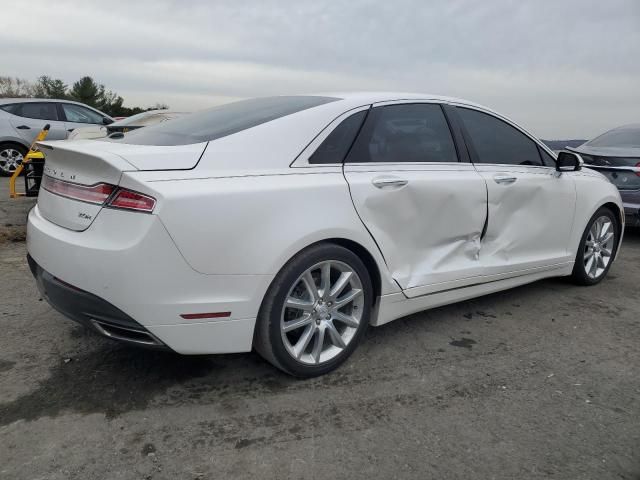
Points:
x=11 y=156
x=597 y=249
x=315 y=312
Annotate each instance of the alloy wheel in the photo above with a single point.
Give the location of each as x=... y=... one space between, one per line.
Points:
x=598 y=248
x=10 y=158
x=322 y=312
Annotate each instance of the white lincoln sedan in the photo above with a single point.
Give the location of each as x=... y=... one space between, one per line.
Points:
x=290 y=224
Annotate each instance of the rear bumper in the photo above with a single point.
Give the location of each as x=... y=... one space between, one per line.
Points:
x=129 y=270
x=91 y=311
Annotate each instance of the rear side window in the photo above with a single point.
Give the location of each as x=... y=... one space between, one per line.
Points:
x=221 y=121
x=39 y=111
x=11 y=108
x=497 y=142
x=337 y=144
x=404 y=133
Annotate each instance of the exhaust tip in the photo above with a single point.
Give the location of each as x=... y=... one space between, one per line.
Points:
x=124 y=334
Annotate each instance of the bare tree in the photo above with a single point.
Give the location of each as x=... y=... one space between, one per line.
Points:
x=11 y=87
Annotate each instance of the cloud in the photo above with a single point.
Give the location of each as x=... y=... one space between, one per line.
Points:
x=563 y=69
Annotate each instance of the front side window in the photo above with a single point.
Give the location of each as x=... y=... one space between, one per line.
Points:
x=335 y=147
x=497 y=142
x=415 y=132
x=39 y=111
x=79 y=114
x=547 y=160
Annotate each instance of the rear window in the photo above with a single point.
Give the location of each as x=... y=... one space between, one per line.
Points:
x=618 y=137
x=221 y=121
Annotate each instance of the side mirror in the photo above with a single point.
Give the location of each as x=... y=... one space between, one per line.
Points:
x=568 y=162
x=107 y=121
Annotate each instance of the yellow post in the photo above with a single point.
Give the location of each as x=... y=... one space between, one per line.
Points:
x=31 y=154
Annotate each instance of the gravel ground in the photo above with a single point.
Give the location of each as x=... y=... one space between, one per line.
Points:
x=538 y=382
x=13 y=213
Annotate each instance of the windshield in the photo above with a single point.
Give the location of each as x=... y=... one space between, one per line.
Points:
x=618 y=137
x=221 y=121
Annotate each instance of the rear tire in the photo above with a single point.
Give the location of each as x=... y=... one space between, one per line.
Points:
x=11 y=155
x=315 y=312
x=598 y=247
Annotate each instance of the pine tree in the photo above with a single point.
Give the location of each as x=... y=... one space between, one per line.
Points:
x=87 y=91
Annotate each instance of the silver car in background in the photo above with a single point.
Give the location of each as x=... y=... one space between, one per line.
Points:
x=616 y=154
x=22 y=118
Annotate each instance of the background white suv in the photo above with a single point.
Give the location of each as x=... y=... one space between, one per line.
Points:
x=22 y=118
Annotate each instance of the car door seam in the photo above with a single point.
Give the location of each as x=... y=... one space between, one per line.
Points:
x=367 y=228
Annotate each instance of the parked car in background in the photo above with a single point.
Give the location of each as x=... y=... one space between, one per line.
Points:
x=144 y=119
x=616 y=154
x=289 y=224
x=21 y=119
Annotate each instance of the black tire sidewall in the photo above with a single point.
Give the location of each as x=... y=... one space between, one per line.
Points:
x=579 y=272
x=281 y=286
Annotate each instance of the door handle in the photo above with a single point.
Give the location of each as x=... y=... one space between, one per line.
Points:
x=504 y=179
x=23 y=127
x=389 y=182
x=70 y=129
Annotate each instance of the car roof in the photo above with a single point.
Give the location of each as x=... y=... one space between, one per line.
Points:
x=378 y=97
x=629 y=126
x=4 y=101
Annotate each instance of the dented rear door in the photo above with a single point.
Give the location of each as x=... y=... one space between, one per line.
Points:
x=424 y=208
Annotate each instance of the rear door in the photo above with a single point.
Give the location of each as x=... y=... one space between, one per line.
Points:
x=30 y=117
x=424 y=208
x=530 y=205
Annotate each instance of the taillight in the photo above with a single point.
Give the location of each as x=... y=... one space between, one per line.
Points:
x=96 y=194
x=638 y=166
x=100 y=194
x=130 y=200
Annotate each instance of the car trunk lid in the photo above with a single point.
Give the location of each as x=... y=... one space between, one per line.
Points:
x=77 y=175
x=620 y=166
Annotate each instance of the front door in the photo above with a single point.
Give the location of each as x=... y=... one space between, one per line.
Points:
x=530 y=205
x=78 y=116
x=425 y=209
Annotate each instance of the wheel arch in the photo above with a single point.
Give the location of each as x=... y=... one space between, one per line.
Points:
x=14 y=141
x=363 y=253
x=369 y=262
x=615 y=208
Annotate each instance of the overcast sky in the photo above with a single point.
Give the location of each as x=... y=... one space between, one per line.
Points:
x=563 y=68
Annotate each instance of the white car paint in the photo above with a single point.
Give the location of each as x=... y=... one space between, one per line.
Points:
x=230 y=213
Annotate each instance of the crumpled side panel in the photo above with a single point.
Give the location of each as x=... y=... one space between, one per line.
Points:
x=429 y=229
x=530 y=220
